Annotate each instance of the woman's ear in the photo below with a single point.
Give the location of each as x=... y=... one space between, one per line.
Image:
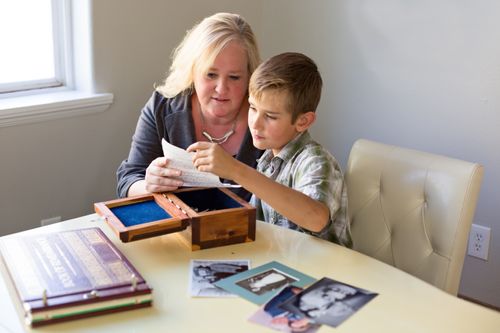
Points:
x=304 y=121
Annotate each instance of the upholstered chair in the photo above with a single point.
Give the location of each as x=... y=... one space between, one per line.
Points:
x=412 y=209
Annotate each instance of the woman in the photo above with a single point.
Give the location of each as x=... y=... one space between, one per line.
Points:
x=203 y=98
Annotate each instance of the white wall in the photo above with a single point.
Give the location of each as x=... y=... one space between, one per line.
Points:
x=421 y=74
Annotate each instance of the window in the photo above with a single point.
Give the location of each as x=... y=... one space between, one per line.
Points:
x=33 y=49
x=37 y=78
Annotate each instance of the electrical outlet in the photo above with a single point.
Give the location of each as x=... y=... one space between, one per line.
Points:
x=50 y=220
x=479 y=241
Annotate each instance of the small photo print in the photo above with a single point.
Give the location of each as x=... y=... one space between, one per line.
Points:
x=264 y=282
x=204 y=273
x=271 y=315
x=328 y=302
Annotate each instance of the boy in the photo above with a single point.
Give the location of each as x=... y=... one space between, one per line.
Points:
x=297 y=184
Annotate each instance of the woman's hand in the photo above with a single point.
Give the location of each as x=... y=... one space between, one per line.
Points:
x=160 y=178
x=211 y=157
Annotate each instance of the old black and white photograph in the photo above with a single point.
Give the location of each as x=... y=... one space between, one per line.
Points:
x=266 y=281
x=204 y=273
x=328 y=302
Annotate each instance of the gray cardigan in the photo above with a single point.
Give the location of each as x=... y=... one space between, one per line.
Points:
x=168 y=118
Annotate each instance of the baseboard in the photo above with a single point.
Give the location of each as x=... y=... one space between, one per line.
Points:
x=491 y=306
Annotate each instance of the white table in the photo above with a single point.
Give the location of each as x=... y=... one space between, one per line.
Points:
x=404 y=304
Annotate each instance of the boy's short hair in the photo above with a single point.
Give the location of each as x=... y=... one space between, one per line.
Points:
x=293 y=73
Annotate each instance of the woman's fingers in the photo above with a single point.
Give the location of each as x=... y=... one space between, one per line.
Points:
x=160 y=178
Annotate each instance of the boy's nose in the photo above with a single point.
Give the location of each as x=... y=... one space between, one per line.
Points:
x=254 y=122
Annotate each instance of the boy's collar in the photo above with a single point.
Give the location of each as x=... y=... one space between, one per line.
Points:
x=289 y=149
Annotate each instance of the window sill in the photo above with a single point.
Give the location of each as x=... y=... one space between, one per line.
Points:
x=36 y=108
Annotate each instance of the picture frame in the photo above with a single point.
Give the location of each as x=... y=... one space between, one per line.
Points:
x=260 y=284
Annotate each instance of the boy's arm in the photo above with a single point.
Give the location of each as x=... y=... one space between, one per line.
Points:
x=299 y=208
x=304 y=211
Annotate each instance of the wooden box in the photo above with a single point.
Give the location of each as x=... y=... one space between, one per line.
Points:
x=212 y=216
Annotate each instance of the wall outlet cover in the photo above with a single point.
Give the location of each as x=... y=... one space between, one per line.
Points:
x=479 y=241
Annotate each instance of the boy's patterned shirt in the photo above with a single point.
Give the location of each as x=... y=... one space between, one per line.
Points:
x=304 y=165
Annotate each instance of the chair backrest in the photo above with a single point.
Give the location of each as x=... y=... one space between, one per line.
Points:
x=412 y=209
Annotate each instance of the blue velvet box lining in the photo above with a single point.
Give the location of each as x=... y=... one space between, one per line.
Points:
x=149 y=210
x=140 y=212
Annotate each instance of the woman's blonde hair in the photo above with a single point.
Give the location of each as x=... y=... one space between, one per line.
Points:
x=201 y=45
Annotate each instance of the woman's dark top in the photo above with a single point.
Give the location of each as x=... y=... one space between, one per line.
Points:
x=171 y=119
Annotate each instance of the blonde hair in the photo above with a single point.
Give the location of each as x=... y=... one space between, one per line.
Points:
x=293 y=73
x=201 y=45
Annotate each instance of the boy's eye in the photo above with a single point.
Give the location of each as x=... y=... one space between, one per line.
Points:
x=270 y=117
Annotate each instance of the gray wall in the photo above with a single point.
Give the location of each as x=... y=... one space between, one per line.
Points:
x=424 y=75
x=419 y=74
x=61 y=167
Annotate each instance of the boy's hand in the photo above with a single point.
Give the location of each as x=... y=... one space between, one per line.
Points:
x=211 y=157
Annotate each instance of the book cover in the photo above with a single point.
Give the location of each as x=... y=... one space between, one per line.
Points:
x=71 y=274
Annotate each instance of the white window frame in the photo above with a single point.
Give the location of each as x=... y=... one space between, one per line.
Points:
x=72 y=92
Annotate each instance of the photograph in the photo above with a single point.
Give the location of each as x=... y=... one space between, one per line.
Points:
x=260 y=284
x=272 y=316
x=204 y=273
x=266 y=281
x=328 y=302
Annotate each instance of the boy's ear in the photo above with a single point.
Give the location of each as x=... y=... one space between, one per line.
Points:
x=304 y=121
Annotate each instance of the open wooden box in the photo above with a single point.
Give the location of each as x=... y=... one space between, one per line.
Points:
x=214 y=216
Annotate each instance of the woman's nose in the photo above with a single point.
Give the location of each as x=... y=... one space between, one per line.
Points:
x=221 y=85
